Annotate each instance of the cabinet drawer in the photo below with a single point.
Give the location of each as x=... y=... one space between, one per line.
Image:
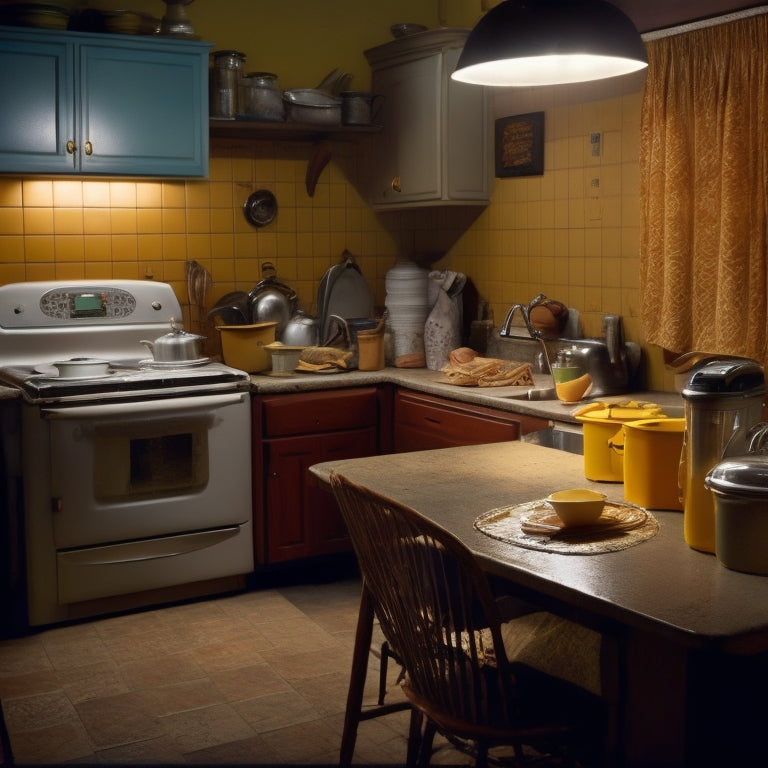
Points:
x=423 y=422
x=306 y=413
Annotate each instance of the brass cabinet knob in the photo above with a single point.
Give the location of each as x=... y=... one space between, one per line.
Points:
x=88 y=148
x=70 y=147
x=396 y=184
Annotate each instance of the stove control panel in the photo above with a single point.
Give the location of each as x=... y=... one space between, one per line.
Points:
x=69 y=303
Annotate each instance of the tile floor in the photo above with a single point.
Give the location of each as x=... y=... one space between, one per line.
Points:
x=254 y=678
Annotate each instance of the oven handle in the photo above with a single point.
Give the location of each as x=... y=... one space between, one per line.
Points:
x=144 y=407
x=148 y=549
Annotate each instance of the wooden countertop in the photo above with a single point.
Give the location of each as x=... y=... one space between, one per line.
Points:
x=661 y=585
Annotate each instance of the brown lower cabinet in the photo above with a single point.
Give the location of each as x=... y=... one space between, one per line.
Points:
x=423 y=422
x=293 y=517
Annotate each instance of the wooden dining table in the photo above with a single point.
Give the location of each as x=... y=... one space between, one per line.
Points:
x=691 y=635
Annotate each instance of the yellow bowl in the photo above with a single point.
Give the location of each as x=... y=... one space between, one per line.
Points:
x=577 y=506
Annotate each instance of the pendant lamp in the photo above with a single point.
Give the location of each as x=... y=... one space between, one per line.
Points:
x=550 y=42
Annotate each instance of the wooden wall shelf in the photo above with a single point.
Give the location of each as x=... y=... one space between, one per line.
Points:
x=320 y=135
x=288 y=131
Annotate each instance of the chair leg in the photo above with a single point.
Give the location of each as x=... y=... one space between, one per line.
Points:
x=414 y=739
x=385 y=654
x=363 y=635
x=481 y=755
x=427 y=740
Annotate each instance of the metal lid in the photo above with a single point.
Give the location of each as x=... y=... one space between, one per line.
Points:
x=740 y=475
x=269 y=76
x=737 y=377
x=233 y=58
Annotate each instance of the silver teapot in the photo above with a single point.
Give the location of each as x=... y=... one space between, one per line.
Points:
x=176 y=346
x=301 y=330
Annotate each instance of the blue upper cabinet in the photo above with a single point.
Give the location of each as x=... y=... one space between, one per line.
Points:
x=102 y=104
x=38 y=103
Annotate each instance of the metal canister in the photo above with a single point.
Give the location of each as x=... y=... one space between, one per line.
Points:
x=225 y=79
x=723 y=401
x=261 y=98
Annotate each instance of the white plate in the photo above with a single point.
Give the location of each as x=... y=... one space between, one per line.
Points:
x=52 y=372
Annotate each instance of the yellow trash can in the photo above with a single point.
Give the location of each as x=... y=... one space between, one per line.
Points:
x=604 y=438
x=652 y=450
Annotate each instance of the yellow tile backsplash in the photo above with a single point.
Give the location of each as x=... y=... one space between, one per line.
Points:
x=571 y=233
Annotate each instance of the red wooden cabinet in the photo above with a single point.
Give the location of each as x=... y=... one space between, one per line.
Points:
x=423 y=422
x=294 y=517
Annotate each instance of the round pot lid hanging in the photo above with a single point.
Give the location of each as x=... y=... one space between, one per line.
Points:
x=260 y=208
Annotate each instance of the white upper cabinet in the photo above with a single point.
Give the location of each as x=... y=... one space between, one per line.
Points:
x=434 y=147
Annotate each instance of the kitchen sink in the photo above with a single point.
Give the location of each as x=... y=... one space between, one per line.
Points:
x=562 y=438
x=537 y=393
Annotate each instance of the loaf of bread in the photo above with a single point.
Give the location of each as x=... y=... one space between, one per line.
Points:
x=467 y=369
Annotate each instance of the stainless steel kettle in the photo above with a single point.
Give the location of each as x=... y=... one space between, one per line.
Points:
x=176 y=346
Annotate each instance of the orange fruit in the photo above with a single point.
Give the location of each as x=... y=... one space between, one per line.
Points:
x=573 y=390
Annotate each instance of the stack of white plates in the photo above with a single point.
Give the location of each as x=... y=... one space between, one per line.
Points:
x=407 y=303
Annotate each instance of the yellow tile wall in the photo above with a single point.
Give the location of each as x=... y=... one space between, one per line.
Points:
x=571 y=233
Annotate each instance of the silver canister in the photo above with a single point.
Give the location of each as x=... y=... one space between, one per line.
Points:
x=261 y=98
x=225 y=80
x=359 y=107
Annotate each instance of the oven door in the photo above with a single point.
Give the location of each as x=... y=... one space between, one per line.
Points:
x=127 y=471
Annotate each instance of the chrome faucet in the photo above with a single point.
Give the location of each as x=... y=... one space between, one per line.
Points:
x=506 y=326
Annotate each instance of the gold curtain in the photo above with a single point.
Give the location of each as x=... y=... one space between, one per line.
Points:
x=704 y=191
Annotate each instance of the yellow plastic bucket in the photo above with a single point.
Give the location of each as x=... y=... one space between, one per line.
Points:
x=651 y=459
x=604 y=439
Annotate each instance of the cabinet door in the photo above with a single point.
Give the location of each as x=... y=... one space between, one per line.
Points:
x=36 y=94
x=143 y=110
x=408 y=149
x=468 y=155
x=434 y=144
x=302 y=518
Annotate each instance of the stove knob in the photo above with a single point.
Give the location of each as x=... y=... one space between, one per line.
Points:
x=18 y=310
x=157 y=305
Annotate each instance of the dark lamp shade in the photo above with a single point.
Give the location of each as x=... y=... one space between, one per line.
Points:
x=550 y=42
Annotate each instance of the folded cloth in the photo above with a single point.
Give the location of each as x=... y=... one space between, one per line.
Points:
x=555 y=646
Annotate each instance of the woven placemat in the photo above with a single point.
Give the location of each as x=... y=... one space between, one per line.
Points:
x=534 y=525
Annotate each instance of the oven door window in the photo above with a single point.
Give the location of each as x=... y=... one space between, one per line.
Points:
x=147 y=460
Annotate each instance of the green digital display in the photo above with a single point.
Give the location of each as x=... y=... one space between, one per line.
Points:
x=89 y=305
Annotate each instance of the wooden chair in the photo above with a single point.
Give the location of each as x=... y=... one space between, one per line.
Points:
x=435 y=606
